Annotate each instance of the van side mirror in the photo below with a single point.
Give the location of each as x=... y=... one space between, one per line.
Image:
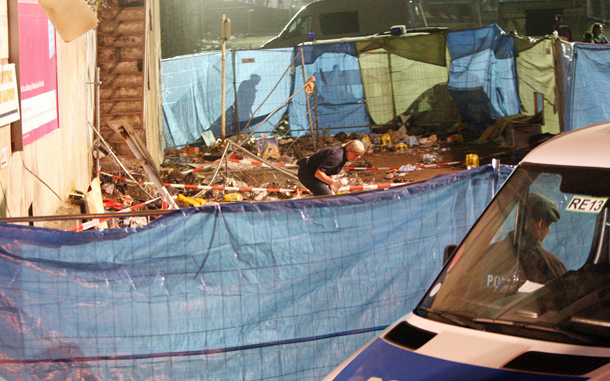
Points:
x=449 y=251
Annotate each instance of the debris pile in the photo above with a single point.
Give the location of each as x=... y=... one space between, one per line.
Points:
x=245 y=168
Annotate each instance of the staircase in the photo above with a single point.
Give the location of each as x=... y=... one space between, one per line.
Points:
x=120 y=55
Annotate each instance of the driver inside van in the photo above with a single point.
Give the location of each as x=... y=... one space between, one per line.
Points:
x=521 y=258
x=539 y=265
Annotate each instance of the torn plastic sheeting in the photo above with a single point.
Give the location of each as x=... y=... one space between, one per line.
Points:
x=536 y=74
x=565 y=65
x=339 y=99
x=240 y=291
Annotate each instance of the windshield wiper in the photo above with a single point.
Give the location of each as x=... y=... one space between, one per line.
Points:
x=507 y=323
x=455 y=319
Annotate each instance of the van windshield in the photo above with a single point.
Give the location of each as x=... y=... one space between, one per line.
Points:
x=300 y=26
x=537 y=263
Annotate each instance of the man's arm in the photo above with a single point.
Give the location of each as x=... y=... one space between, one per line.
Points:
x=323 y=177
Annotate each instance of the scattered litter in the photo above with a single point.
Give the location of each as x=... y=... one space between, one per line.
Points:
x=407 y=168
x=208 y=138
x=232 y=182
x=108 y=188
x=455 y=139
x=271 y=151
x=429 y=158
x=338 y=184
x=401 y=147
x=256 y=169
x=386 y=140
x=285 y=159
x=412 y=141
x=366 y=142
x=191 y=201
x=233 y=197
x=260 y=196
x=472 y=160
x=111 y=204
x=127 y=200
x=268 y=147
x=398 y=136
x=428 y=142
x=135 y=222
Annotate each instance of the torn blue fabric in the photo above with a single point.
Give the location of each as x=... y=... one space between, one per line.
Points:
x=483 y=76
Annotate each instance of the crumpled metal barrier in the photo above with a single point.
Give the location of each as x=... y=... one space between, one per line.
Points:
x=249 y=291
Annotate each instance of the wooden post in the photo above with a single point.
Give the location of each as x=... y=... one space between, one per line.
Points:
x=224 y=63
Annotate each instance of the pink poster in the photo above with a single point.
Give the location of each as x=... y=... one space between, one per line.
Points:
x=38 y=72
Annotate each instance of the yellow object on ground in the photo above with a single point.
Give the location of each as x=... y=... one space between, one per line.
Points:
x=191 y=201
x=472 y=160
x=233 y=197
x=386 y=140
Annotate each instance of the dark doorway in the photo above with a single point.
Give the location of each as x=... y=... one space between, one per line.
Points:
x=540 y=22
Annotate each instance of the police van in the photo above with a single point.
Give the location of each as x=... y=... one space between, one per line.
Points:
x=526 y=294
x=332 y=19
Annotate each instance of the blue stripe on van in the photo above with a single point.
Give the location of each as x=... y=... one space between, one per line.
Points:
x=386 y=362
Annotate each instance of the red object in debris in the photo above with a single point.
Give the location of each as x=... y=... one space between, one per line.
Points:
x=236 y=156
x=108 y=203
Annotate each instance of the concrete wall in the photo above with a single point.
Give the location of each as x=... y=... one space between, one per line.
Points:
x=43 y=175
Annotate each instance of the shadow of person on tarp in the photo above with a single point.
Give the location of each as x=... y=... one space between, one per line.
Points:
x=245 y=97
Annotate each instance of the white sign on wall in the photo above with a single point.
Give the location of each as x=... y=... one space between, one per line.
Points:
x=9 y=96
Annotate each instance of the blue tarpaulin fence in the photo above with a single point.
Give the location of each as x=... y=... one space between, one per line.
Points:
x=482 y=81
x=588 y=92
x=256 y=86
x=192 y=88
x=339 y=102
x=251 y=291
x=482 y=75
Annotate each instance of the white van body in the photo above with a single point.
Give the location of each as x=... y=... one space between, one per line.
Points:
x=497 y=313
x=331 y=19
